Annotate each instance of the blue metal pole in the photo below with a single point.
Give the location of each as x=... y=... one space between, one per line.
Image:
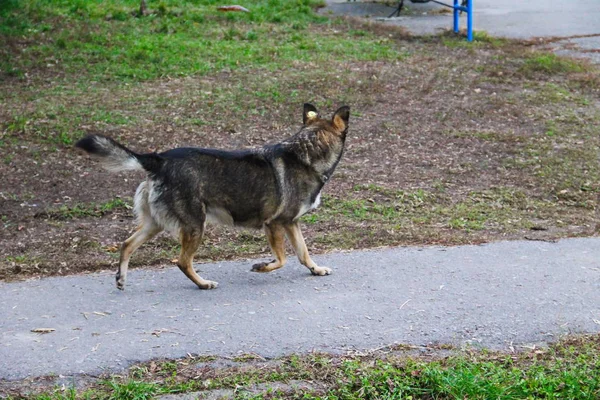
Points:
x=456 y=20
x=470 y=20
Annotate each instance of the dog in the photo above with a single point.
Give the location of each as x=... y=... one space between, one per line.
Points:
x=269 y=187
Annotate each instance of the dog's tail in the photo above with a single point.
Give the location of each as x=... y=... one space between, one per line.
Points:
x=116 y=157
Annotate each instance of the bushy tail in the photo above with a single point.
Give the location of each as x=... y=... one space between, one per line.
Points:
x=116 y=157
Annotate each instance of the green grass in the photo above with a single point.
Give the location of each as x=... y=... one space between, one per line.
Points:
x=459 y=378
x=551 y=64
x=86 y=45
x=82 y=210
x=63 y=112
x=480 y=38
x=60 y=124
x=107 y=41
x=569 y=369
x=392 y=209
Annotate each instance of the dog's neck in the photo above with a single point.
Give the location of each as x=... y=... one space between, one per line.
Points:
x=320 y=150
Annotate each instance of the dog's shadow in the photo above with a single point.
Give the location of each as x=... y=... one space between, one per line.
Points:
x=235 y=279
x=240 y=277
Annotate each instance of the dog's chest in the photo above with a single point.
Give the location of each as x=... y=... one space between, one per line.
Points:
x=306 y=206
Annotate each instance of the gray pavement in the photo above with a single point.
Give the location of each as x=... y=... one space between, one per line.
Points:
x=506 y=18
x=496 y=295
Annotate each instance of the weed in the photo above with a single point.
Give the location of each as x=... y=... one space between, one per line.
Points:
x=246 y=357
x=131 y=390
x=20 y=259
x=551 y=64
x=550 y=128
x=480 y=38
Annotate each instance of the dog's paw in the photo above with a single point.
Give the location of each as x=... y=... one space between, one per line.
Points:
x=321 y=271
x=262 y=267
x=120 y=282
x=207 y=285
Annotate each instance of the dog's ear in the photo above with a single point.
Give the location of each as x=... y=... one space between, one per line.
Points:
x=340 y=118
x=310 y=113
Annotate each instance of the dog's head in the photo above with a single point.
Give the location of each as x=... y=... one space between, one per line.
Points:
x=338 y=124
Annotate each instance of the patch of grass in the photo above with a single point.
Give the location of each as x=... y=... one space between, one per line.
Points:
x=83 y=210
x=467 y=378
x=379 y=216
x=565 y=370
x=556 y=93
x=491 y=136
x=59 y=122
x=565 y=160
x=63 y=113
x=85 y=48
x=480 y=38
x=246 y=357
x=550 y=128
x=132 y=390
x=21 y=259
x=105 y=41
x=551 y=64
x=494 y=208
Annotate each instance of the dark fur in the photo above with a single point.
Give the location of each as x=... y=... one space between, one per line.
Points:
x=270 y=187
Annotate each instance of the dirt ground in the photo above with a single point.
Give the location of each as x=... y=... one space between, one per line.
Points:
x=452 y=144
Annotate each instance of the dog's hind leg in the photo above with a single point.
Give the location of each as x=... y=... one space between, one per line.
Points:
x=276 y=236
x=190 y=240
x=295 y=235
x=145 y=232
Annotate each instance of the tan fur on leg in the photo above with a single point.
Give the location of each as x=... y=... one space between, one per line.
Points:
x=145 y=232
x=276 y=236
x=294 y=234
x=189 y=245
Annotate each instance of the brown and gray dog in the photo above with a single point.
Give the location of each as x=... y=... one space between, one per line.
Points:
x=270 y=187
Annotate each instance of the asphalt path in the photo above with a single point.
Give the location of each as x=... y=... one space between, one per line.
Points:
x=516 y=19
x=500 y=295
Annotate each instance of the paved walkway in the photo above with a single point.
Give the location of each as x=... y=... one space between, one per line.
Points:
x=497 y=295
x=506 y=18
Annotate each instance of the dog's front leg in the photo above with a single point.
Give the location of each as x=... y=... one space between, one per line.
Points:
x=189 y=244
x=295 y=235
x=276 y=237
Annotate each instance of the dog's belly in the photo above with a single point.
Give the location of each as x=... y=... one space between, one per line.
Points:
x=222 y=216
x=219 y=215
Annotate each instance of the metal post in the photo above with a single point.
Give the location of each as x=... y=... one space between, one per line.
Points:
x=398 y=9
x=456 y=20
x=470 y=20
